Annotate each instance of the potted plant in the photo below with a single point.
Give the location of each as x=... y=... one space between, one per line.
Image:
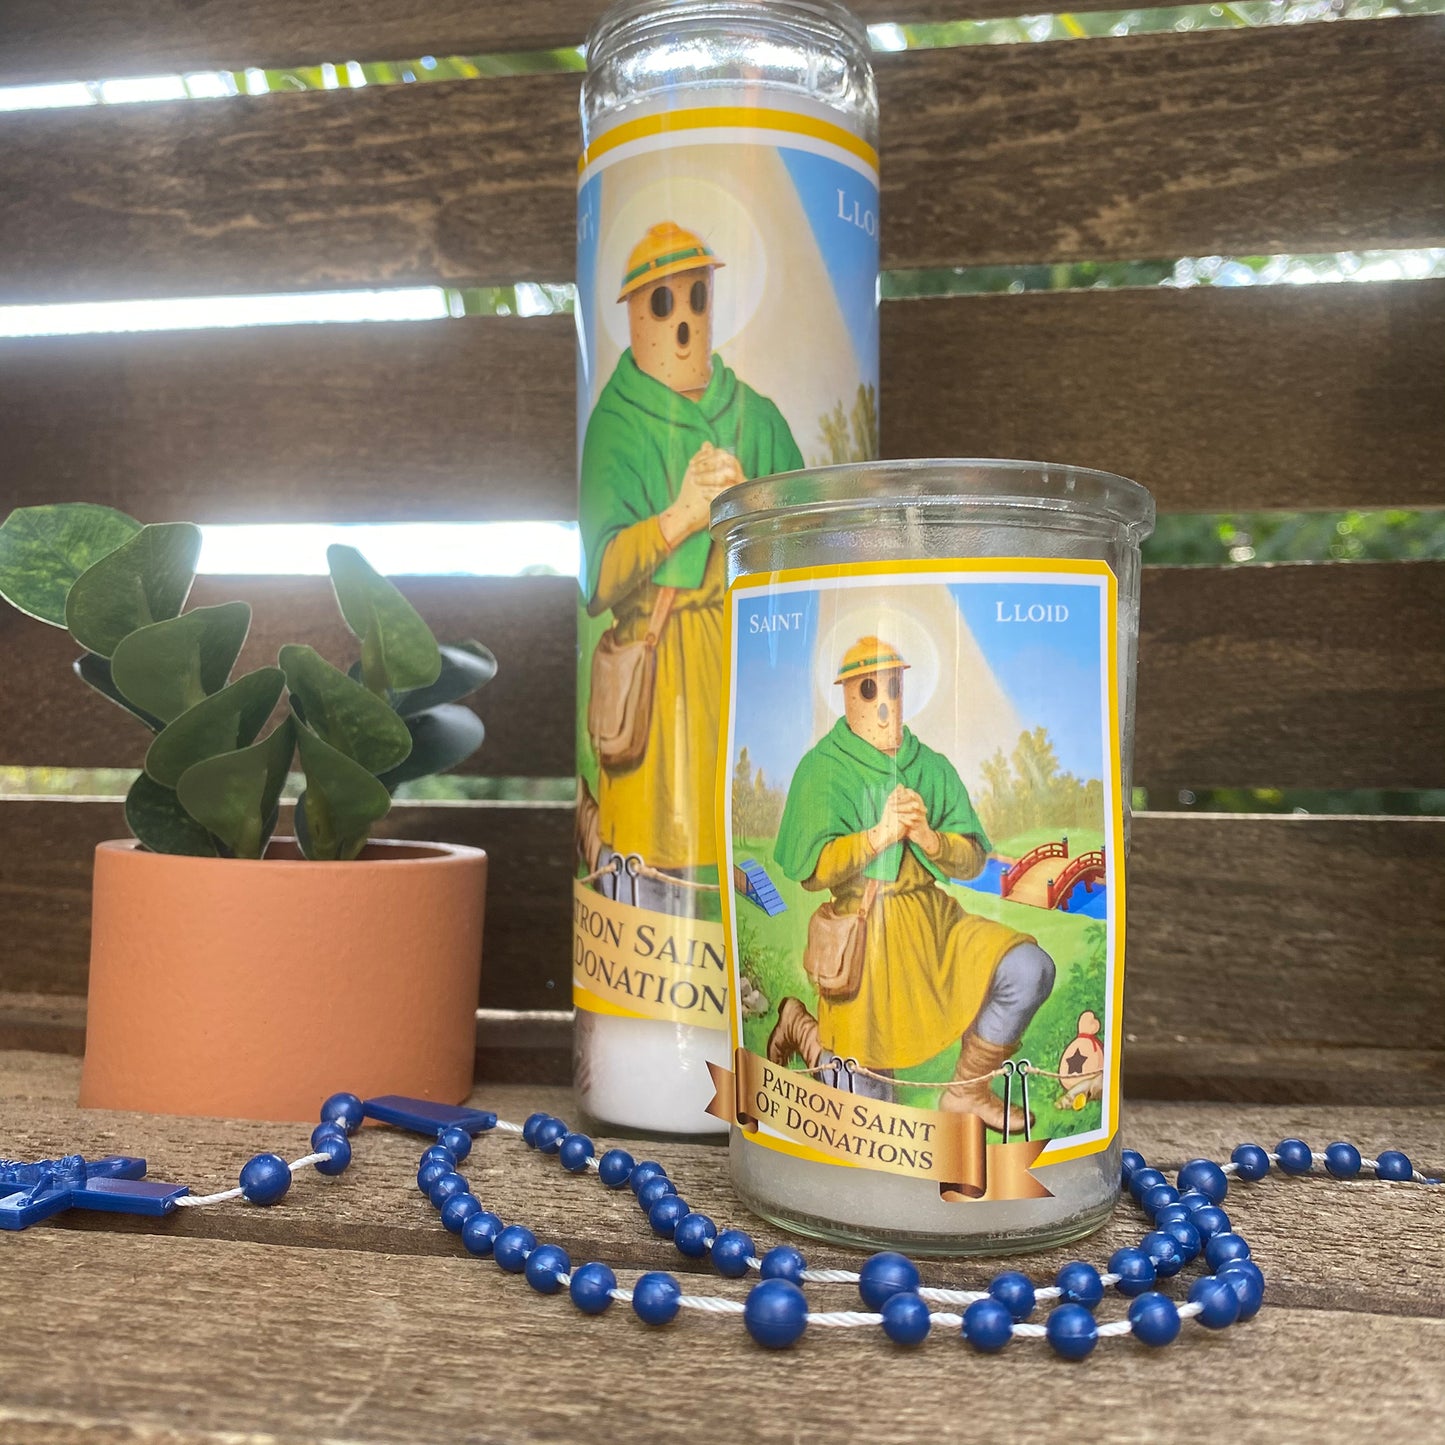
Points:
x=233 y=972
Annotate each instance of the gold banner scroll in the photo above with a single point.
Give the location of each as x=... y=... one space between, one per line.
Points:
x=635 y=963
x=871 y=1134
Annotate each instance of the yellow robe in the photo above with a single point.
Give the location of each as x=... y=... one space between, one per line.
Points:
x=664 y=807
x=926 y=964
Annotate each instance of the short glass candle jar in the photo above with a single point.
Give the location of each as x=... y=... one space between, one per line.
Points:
x=923 y=811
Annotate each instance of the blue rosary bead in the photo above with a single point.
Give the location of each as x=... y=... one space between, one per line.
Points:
x=694 y=1235
x=574 y=1153
x=1342 y=1160
x=550 y=1134
x=1162 y=1249
x=337 y=1148
x=1172 y=1214
x=1015 y=1292
x=906 y=1319
x=666 y=1213
x=614 y=1168
x=532 y=1123
x=1142 y=1180
x=1243 y=1276
x=344 y=1109
x=512 y=1246
x=265 y=1178
x=1220 y=1304
x=783 y=1262
x=544 y=1265
x=1294 y=1156
x=1157 y=1197
x=1207 y=1177
x=655 y=1297
x=1155 y=1318
x=731 y=1251
x=1395 y=1166
x=429 y=1173
x=658 y=1187
x=326 y=1130
x=776 y=1313
x=1210 y=1221
x=480 y=1233
x=1135 y=1270
x=1129 y=1161
x=457 y=1210
x=987 y=1325
x=442 y=1189
x=641 y=1173
x=1224 y=1247
x=1072 y=1331
x=457 y=1140
x=885 y=1275
x=1251 y=1162
x=1186 y=1236
x=439 y=1154
x=591 y=1288
x=1079 y=1284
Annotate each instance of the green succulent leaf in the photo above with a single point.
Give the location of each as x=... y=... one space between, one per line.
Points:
x=222 y=723
x=155 y=815
x=440 y=739
x=144 y=580
x=465 y=667
x=341 y=802
x=44 y=549
x=168 y=667
x=235 y=795
x=96 y=672
x=342 y=713
x=398 y=651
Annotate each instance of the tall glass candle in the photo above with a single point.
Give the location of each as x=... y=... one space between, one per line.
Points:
x=932 y=666
x=727 y=268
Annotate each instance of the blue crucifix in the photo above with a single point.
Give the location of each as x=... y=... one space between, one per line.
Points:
x=117 y=1184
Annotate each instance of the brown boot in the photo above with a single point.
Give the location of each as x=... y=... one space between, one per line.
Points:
x=976 y=1058
x=796 y=1032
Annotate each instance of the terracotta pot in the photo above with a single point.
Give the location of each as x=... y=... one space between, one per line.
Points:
x=254 y=989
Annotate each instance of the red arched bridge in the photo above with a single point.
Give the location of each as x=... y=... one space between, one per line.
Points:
x=1036 y=878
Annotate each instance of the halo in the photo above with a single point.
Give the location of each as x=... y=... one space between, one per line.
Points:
x=895 y=624
x=720 y=219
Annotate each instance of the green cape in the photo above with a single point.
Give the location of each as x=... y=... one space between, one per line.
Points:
x=641 y=436
x=840 y=787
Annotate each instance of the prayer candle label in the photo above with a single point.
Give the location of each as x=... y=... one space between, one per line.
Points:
x=922 y=822
x=727 y=319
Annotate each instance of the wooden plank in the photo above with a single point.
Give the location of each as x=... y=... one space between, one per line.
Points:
x=110 y=37
x=475 y=420
x=1324 y=675
x=1167 y=145
x=1280 y=915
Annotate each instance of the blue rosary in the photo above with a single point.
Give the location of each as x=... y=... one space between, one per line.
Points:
x=1187 y=1218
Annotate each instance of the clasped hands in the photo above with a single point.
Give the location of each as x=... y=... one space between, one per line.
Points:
x=710 y=471
x=905 y=816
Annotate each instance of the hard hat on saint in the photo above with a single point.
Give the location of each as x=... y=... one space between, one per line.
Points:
x=666 y=249
x=869 y=654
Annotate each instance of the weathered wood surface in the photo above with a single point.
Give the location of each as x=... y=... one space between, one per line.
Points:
x=1290 y=676
x=360 y=1320
x=99 y=38
x=1226 y=142
x=1262 y=961
x=476 y=420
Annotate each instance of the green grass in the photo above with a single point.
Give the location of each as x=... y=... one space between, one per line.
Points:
x=1081 y=840
x=771 y=953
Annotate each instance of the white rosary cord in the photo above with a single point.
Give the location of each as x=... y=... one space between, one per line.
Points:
x=192 y=1201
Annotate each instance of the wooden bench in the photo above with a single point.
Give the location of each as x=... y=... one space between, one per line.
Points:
x=1285 y=972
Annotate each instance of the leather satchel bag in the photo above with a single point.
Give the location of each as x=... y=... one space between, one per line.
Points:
x=833 y=956
x=624 y=676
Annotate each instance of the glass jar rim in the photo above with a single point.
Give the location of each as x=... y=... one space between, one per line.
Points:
x=622 y=16
x=934 y=481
